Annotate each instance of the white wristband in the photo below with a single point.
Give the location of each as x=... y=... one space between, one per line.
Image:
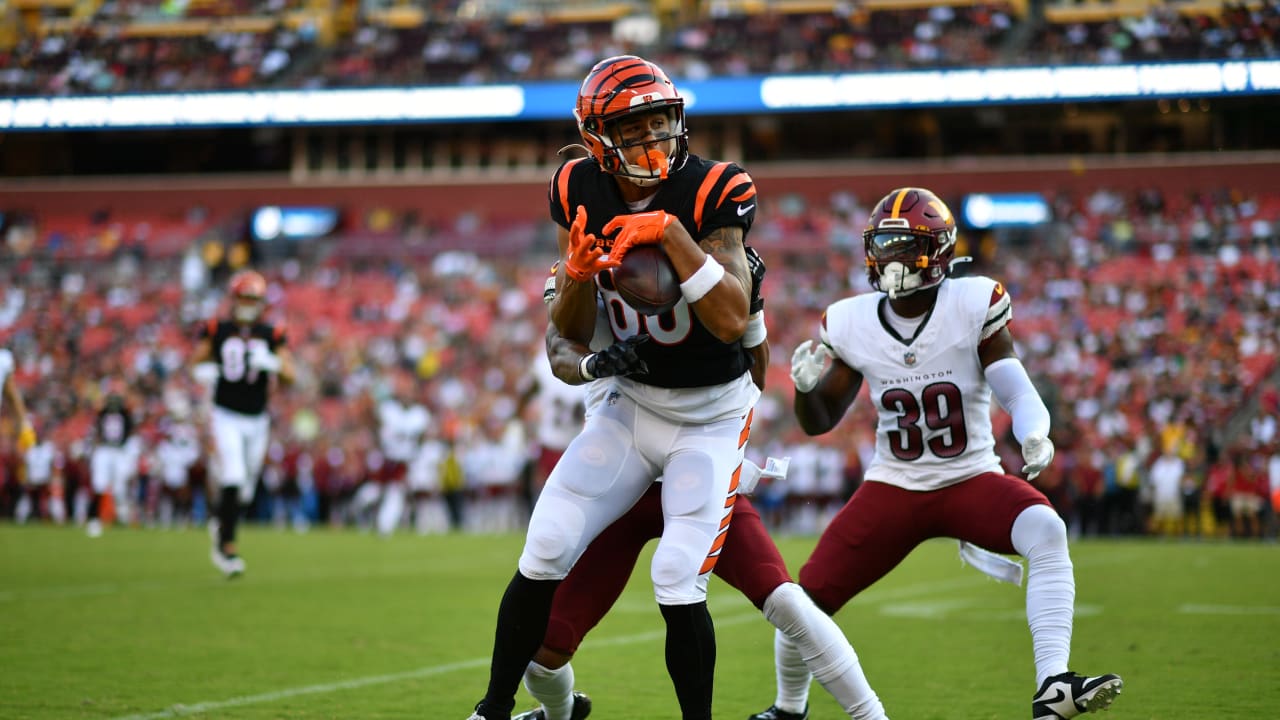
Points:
x=756 y=331
x=582 y=368
x=701 y=282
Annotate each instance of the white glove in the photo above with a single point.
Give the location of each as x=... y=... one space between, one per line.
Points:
x=1037 y=453
x=807 y=363
x=774 y=469
x=262 y=359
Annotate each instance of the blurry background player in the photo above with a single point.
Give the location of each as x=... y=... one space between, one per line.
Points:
x=932 y=350
x=558 y=412
x=43 y=496
x=112 y=464
x=425 y=478
x=176 y=453
x=13 y=398
x=402 y=424
x=247 y=352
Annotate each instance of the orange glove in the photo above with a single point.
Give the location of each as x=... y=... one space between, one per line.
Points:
x=585 y=258
x=26 y=438
x=646 y=228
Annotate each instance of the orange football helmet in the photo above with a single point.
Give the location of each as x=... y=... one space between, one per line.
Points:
x=248 y=296
x=623 y=87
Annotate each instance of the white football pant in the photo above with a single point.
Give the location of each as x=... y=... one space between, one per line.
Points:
x=606 y=469
x=241 y=445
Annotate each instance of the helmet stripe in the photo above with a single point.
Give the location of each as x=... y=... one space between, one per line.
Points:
x=897 y=202
x=626 y=76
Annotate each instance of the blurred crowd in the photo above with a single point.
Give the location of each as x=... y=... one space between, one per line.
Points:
x=1148 y=322
x=148 y=46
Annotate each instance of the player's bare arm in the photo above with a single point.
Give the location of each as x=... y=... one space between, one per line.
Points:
x=997 y=347
x=287 y=368
x=820 y=409
x=573 y=310
x=203 y=352
x=13 y=399
x=724 y=309
x=565 y=356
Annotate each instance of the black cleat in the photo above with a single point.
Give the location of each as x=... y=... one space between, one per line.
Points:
x=1069 y=694
x=581 y=709
x=773 y=713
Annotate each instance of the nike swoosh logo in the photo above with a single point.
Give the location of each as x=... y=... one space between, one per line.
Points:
x=1049 y=703
x=744 y=210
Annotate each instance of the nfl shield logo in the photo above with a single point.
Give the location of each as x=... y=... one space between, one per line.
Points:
x=909 y=358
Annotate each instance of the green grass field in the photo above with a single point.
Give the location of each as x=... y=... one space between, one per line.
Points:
x=137 y=625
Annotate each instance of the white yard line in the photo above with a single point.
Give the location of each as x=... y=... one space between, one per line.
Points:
x=1229 y=609
x=181 y=710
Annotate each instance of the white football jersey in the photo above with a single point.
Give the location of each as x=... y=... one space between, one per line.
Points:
x=176 y=453
x=41 y=459
x=400 y=429
x=933 y=400
x=560 y=406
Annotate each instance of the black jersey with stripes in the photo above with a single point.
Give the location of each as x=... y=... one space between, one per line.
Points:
x=241 y=387
x=705 y=196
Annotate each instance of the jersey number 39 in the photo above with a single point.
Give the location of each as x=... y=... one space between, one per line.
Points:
x=940 y=407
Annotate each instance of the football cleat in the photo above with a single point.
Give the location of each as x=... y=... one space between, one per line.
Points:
x=230 y=565
x=1069 y=694
x=94 y=528
x=774 y=713
x=581 y=709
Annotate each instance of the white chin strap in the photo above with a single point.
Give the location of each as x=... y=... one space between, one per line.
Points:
x=245 y=313
x=895 y=280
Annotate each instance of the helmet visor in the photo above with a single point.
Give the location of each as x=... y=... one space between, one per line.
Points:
x=894 y=246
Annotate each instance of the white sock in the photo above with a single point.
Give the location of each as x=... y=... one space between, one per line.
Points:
x=792 y=674
x=1040 y=536
x=804 y=631
x=551 y=687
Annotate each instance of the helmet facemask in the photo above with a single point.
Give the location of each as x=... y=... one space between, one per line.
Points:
x=247 y=309
x=901 y=262
x=640 y=144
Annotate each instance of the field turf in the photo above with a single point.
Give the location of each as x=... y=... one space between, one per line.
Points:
x=339 y=624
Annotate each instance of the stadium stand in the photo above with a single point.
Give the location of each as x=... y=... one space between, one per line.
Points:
x=1144 y=303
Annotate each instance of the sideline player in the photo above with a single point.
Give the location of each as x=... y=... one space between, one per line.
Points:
x=680 y=394
x=402 y=426
x=558 y=409
x=111 y=465
x=12 y=396
x=247 y=352
x=932 y=350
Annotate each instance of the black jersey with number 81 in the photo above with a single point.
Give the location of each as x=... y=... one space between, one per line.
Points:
x=241 y=387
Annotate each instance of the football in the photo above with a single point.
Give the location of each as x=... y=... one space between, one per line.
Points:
x=647 y=280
